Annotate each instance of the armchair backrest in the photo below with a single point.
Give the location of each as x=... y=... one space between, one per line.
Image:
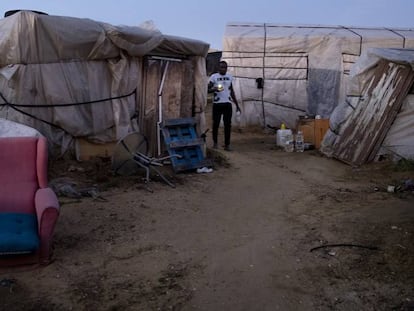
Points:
x=23 y=170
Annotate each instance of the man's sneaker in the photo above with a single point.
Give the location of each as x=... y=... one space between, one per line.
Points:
x=228 y=148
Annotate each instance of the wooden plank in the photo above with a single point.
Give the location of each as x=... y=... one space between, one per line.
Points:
x=320 y=128
x=313 y=130
x=86 y=150
x=362 y=134
x=307 y=126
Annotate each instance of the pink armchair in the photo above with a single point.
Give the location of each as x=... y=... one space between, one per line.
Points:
x=28 y=208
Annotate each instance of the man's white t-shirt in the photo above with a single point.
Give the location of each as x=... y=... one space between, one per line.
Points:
x=226 y=81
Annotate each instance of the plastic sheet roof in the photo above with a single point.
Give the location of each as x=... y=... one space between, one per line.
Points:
x=47 y=39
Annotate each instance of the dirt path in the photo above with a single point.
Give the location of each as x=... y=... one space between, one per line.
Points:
x=239 y=238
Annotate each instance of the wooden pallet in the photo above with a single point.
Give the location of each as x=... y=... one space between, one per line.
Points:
x=180 y=138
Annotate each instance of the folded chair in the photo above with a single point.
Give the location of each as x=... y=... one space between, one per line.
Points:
x=28 y=208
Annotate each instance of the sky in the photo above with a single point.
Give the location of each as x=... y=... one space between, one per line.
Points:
x=206 y=20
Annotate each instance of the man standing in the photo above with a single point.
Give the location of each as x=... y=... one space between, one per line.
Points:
x=221 y=84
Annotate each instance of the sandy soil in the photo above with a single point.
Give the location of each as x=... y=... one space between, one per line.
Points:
x=244 y=237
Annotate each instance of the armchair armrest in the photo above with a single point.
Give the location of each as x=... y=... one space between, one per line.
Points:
x=47 y=211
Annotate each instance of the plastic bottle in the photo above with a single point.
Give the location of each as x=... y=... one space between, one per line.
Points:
x=281 y=136
x=299 y=145
x=289 y=143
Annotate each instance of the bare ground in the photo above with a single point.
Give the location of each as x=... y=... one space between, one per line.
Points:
x=244 y=237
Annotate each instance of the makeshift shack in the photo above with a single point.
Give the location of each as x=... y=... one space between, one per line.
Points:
x=77 y=79
x=377 y=116
x=285 y=71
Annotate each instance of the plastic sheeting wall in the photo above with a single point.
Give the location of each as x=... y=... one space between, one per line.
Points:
x=305 y=69
x=42 y=94
x=399 y=142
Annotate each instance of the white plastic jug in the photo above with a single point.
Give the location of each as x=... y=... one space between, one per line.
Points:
x=281 y=136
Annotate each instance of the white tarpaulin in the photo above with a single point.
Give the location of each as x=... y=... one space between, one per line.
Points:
x=70 y=77
x=399 y=142
x=14 y=129
x=304 y=68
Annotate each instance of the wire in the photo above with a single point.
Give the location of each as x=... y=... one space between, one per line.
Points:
x=6 y=103
x=14 y=106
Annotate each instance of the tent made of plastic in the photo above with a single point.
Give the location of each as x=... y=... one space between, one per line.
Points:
x=72 y=78
x=285 y=71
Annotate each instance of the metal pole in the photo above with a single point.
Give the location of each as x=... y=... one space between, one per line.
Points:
x=160 y=108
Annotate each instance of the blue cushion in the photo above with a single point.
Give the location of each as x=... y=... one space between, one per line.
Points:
x=18 y=234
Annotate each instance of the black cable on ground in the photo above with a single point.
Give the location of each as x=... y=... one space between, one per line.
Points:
x=374 y=248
